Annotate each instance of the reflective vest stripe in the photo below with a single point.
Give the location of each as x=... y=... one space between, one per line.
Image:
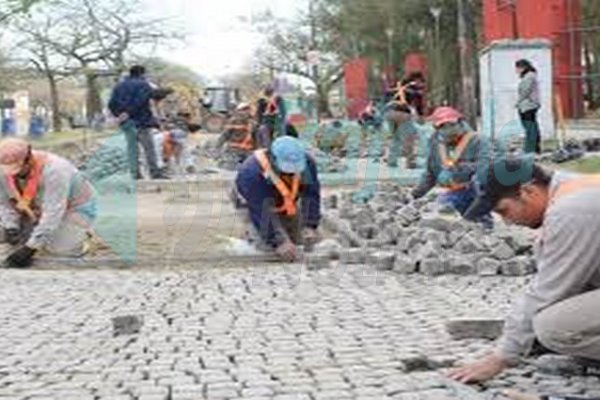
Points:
x=24 y=199
x=290 y=196
x=449 y=162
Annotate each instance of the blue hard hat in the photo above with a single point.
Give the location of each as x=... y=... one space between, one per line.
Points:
x=289 y=154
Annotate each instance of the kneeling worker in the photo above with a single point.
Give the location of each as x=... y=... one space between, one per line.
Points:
x=560 y=308
x=281 y=190
x=455 y=152
x=45 y=204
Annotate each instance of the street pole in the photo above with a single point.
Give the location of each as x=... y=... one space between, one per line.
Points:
x=389 y=32
x=436 y=12
x=467 y=70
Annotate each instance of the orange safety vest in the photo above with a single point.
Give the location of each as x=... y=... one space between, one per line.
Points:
x=272 y=108
x=289 y=195
x=449 y=162
x=246 y=143
x=399 y=95
x=24 y=197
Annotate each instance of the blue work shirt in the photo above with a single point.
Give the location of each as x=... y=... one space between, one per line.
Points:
x=132 y=96
x=261 y=197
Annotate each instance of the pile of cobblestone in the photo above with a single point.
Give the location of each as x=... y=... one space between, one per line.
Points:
x=107 y=160
x=392 y=232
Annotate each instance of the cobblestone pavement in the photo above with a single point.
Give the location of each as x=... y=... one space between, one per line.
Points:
x=249 y=333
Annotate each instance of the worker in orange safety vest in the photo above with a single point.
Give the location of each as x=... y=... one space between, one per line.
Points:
x=45 y=204
x=280 y=189
x=455 y=152
x=239 y=134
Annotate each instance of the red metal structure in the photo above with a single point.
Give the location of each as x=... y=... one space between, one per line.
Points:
x=556 y=20
x=356 y=83
x=415 y=62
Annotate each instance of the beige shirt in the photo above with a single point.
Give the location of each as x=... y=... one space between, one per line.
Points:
x=568 y=256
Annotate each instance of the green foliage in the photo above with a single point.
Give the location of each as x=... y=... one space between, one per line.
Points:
x=368 y=28
x=9 y=8
x=590 y=165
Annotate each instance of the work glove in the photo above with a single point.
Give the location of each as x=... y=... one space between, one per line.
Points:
x=13 y=236
x=445 y=177
x=20 y=258
x=287 y=251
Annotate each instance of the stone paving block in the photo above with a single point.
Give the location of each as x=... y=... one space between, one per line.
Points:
x=432 y=267
x=405 y=264
x=331 y=247
x=351 y=256
x=460 y=329
x=519 y=266
x=302 y=396
x=469 y=244
x=437 y=223
x=127 y=325
x=427 y=251
x=488 y=267
x=257 y=392
x=502 y=252
x=381 y=260
x=317 y=261
x=333 y=395
x=460 y=264
x=152 y=397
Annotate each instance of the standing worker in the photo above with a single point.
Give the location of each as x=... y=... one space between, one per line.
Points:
x=529 y=104
x=281 y=190
x=271 y=117
x=45 y=204
x=559 y=310
x=131 y=102
x=404 y=134
x=454 y=152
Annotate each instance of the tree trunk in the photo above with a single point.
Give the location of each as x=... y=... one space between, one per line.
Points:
x=323 y=108
x=54 y=102
x=589 y=71
x=93 y=101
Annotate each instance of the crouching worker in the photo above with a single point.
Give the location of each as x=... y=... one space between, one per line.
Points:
x=454 y=153
x=281 y=190
x=559 y=310
x=45 y=204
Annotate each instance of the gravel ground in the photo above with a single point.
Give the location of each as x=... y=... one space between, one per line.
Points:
x=270 y=332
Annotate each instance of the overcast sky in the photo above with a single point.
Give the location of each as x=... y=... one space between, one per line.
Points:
x=219 y=41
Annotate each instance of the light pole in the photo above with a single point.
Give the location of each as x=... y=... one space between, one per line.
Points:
x=389 y=32
x=436 y=13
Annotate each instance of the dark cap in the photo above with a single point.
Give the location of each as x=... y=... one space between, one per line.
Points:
x=502 y=178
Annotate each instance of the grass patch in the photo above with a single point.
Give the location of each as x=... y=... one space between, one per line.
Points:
x=589 y=165
x=54 y=138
